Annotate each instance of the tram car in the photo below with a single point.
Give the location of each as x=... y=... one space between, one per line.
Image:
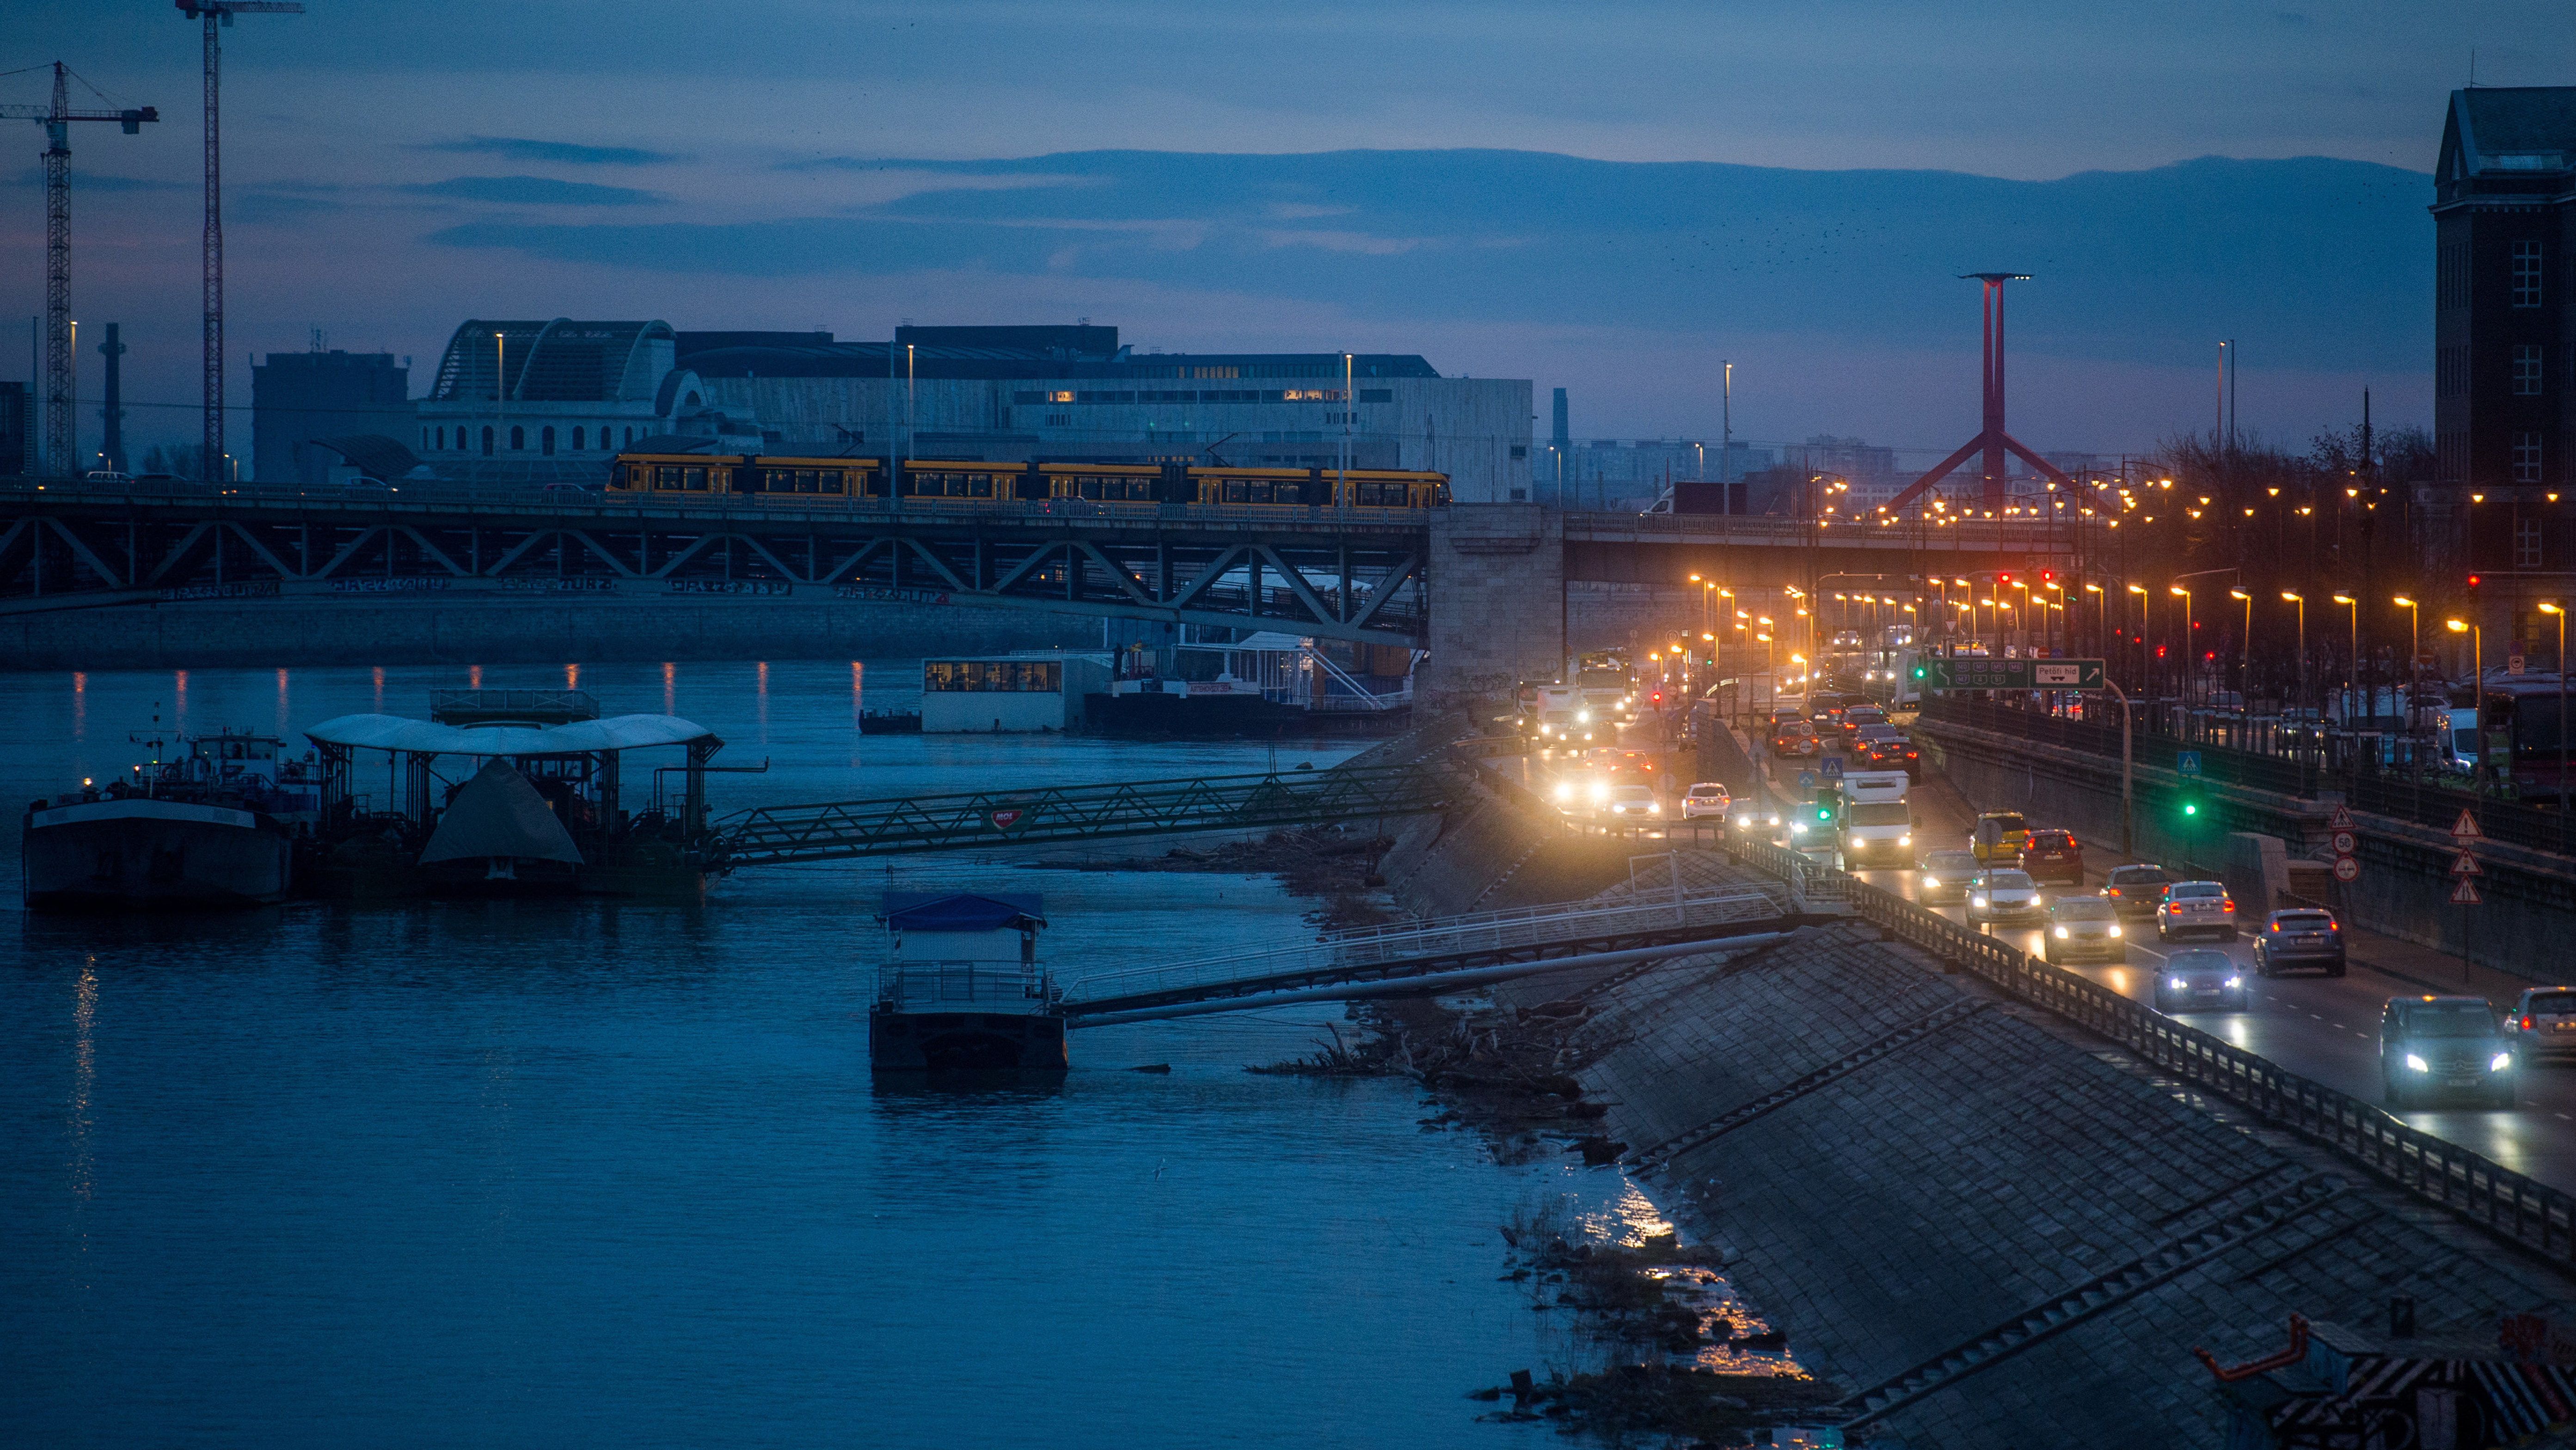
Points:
x=764 y=481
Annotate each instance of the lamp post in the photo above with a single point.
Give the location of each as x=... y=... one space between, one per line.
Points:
x=2478 y=673
x=2146 y=621
x=2187 y=660
x=2414 y=661
x=2352 y=670
x=2560 y=615
x=2300 y=600
x=500 y=395
x=2101 y=615
x=2245 y=656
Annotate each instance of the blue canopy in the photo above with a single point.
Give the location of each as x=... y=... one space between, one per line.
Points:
x=962 y=911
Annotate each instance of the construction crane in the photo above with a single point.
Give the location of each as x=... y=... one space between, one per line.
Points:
x=217 y=14
x=56 y=119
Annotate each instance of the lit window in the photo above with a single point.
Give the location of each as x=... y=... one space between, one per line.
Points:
x=2526 y=458
x=2526 y=274
x=1065 y=397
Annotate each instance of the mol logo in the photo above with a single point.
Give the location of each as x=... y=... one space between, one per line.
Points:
x=1006 y=818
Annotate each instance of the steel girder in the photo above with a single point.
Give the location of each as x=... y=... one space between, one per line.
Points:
x=1307 y=572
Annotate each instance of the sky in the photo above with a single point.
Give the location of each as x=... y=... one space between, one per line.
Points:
x=1612 y=198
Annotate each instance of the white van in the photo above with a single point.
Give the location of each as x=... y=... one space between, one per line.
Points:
x=1877 y=825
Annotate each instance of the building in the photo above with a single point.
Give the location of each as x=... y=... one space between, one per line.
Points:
x=298 y=398
x=1009 y=694
x=554 y=401
x=17 y=430
x=1623 y=474
x=1076 y=392
x=2504 y=213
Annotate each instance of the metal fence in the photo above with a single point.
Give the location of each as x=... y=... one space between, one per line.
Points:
x=2497 y=1198
x=969 y=986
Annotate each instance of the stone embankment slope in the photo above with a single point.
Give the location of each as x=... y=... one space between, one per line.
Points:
x=1988 y=1226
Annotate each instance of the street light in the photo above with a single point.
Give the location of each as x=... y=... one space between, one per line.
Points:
x=2146 y=623
x=2561 y=616
x=2352 y=677
x=2300 y=600
x=2187 y=660
x=2414 y=661
x=2245 y=652
x=2478 y=673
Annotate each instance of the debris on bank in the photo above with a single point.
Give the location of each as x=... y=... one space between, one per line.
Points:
x=1337 y=867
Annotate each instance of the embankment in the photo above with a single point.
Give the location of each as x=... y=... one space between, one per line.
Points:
x=1986 y=1227
x=511 y=629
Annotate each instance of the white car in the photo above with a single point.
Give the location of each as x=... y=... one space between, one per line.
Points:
x=2004 y=896
x=1634 y=800
x=1707 y=798
x=2196 y=906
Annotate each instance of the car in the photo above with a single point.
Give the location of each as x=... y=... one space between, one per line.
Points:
x=2196 y=906
x=1997 y=836
x=1706 y=798
x=2542 y=1023
x=2135 y=890
x=1753 y=822
x=2431 y=1045
x=2201 y=977
x=1894 y=755
x=1580 y=790
x=1797 y=737
x=1862 y=717
x=1944 y=877
x=2082 y=929
x=1631 y=801
x=2053 y=856
x=2003 y=896
x=2308 y=937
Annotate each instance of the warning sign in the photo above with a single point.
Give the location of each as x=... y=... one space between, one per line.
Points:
x=2342 y=819
x=2345 y=842
x=2466 y=893
x=2466 y=828
x=2466 y=865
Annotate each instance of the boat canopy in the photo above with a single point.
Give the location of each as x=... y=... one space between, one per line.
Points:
x=424 y=737
x=962 y=911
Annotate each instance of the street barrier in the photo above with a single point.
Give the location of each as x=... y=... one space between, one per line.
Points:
x=2507 y=1203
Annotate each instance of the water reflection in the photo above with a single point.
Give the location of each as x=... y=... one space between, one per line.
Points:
x=84 y=1077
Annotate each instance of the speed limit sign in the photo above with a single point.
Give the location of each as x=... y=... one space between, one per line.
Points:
x=2345 y=843
x=2347 y=870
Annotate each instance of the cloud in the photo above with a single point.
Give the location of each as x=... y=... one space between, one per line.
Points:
x=532 y=191
x=520 y=148
x=270 y=208
x=99 y=181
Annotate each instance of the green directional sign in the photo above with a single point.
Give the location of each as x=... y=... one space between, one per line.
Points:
x=1966 y=673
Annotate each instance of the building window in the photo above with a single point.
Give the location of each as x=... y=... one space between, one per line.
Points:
x=2526 y=274
x=546 y=441
x=630 y=436
x=1059 y=420
x=2526 y=370
x=2526 y=458
x=2451 y=276
x=424 y=438
x=1377 y=395
x=2526 y=543
x=487 y=442
x=518 y=439
x=576 y=440
x=1520 y=450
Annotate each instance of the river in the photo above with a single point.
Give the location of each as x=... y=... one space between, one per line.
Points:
x=540 y=1173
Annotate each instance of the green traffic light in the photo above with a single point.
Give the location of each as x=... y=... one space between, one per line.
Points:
x=2191 y=808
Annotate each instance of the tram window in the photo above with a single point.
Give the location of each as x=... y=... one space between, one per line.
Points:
x=1237 y=491
x=693 y=480
x=979 y=485
x=667 y=477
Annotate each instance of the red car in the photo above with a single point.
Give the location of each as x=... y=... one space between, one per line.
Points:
x=2053 y=856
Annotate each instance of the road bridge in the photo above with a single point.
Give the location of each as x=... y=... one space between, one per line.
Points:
x=971 y=820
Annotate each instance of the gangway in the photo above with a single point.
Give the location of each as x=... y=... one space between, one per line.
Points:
x=776 y=835
x=1440 y=956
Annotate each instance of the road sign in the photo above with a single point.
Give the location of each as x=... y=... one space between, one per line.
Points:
x=2466 y=828
x=2465 y=865
x=1006 y=818
x=2345 y=843
x=1806 y=780
x=1832 y=766
x=2513 y=664
x=1943 y=672
x=2342 y=819
x=2466 y=893
x=2187 y=762
x=2347 y=870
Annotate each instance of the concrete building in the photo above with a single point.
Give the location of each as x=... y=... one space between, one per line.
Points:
x=2504 y=221
x=298 y=398
x=1630 y=474
x=543 y=402
x=1076 y=392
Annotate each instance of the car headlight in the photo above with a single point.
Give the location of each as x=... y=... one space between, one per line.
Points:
x=2115 y=928
x=1799 y=829
x=1656 y=809
x=1582 y=717
x=2235 y=982
x=2061 y=933
x=2178 y=984
x=1905 y=840
x=1565 y=792
x=1976 y=901
x=1931 y=880
x=2416 y=1064
x=1775 y=820
x=2500 y=1062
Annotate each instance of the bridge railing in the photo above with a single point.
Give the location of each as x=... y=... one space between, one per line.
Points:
x=967 y=986
x=2497 y=1198
x=1372 y=946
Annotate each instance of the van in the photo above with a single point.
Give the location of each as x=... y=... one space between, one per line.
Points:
x=1877 y=821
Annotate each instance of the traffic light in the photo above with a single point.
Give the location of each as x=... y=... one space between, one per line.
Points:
x=2003 y=581
x=2191 y=805
x=2047 y=576
x=1921 y=673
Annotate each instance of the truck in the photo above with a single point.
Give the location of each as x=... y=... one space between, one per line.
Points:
x=1875 y=822
x=1607 y=680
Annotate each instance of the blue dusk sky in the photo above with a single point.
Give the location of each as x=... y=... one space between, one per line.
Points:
x=1611 y=198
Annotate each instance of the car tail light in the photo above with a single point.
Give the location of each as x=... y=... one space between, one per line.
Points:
x=2526 y=1022
x=2227 y=903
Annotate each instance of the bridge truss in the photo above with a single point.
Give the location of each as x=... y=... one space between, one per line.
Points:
x=1352 y=574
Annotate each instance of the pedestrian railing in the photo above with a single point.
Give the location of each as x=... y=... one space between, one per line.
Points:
x=2511 y=1204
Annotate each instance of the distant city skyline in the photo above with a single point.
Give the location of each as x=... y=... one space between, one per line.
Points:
x=393 y=171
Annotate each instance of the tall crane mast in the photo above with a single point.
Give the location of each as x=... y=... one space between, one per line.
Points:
x=216 y=14
x=56 y=119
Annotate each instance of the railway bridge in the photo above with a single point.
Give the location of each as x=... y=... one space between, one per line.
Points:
x=1471 y=583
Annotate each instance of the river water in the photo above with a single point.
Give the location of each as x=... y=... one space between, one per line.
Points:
x=541 y=1173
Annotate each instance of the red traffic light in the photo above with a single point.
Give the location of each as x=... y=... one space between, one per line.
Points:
x=2047 y=576
x=2473 y=581
x=2003 y=581
x=2160 y=651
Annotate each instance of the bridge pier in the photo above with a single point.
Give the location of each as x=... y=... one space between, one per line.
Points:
x=1497 y=613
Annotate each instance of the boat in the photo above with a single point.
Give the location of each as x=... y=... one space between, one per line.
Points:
x=214 y=826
